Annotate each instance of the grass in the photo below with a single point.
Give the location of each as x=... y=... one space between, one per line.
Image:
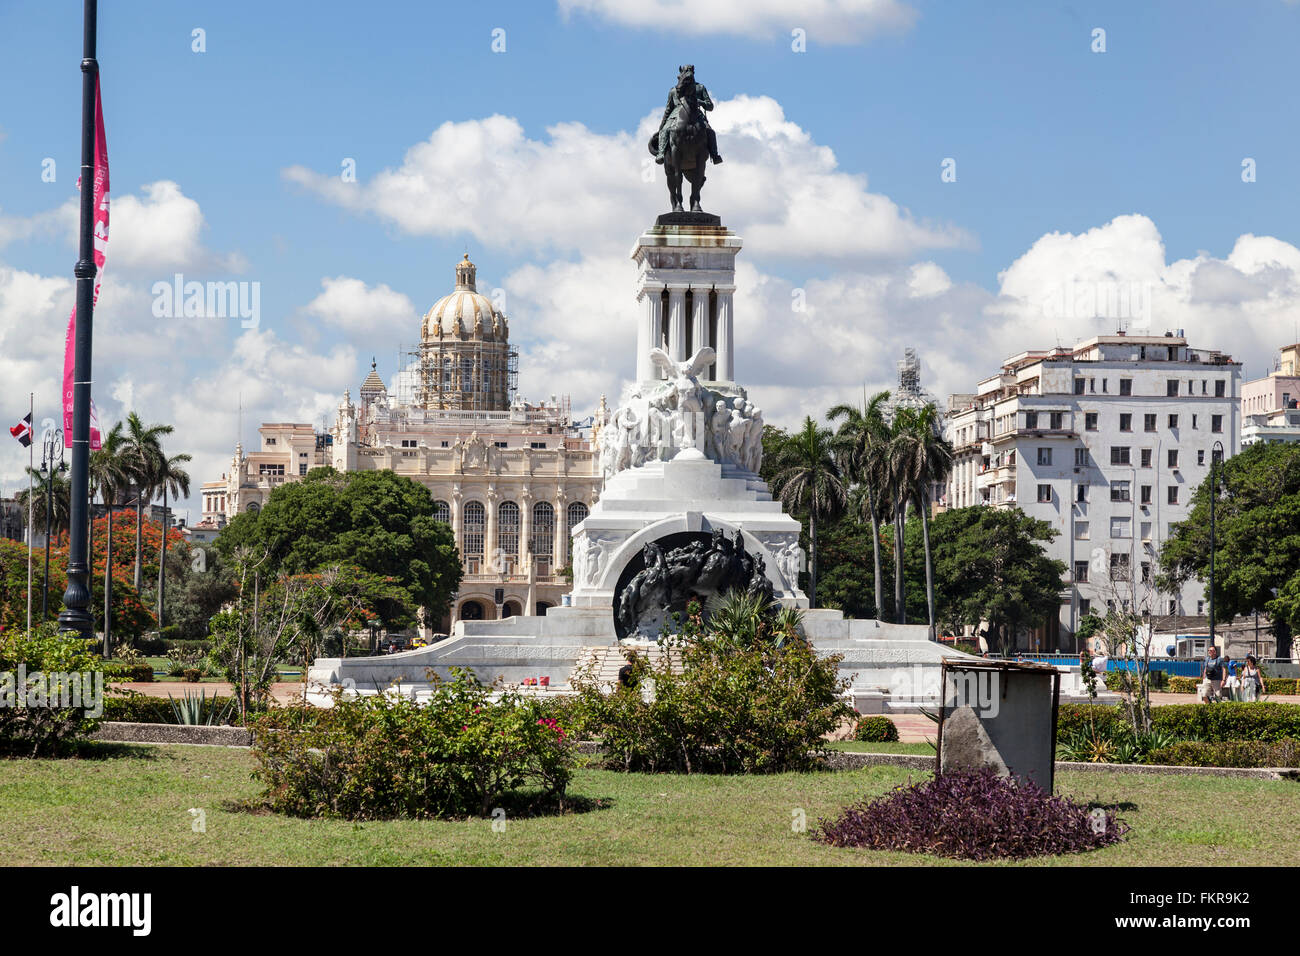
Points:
x=863 y=747
x=131 y=806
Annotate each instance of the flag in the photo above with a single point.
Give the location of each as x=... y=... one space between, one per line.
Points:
x=100 y=247
x=23 y=430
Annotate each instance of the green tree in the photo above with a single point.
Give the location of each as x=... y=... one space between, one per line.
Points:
x=374 y=521
x=143 y=458
x=923 y=459
x=990 y=568
x=109 y=475
x=60 y=496
x=1257 y=518
x=862 y=441
x=170 y=477
x=807 y=478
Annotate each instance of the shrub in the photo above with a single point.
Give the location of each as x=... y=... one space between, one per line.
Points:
x=1156 y=680
x=1231 y=753
x=1281 y=685
x=1183 y=685
x=973 y=815
x=876 y=729
x=32 y=727
x=736 y=707
x=1077 y=717
x=1229 y=720
x=135 y=707
x=121 y=671
x=1113 y=744
x=191 y=675
x=367 y=758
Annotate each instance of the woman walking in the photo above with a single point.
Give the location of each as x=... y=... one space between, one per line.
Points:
x=1250 y=680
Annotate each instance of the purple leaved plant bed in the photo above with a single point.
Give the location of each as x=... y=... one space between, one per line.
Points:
x=974 y=815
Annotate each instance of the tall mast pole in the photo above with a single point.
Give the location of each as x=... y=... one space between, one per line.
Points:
x=76 y=599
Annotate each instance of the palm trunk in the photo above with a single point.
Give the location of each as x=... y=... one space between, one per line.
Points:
x=900 y=599
x=929 y=565
x=162 y=562
x=139 y=538
x=812 y=563
x=108 y=587
x=875 y=556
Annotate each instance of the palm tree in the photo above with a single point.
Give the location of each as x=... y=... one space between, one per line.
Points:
x=143 y=453
x=171 y=477
x=862 y=442
x=108 y=476
x=807 y=476
x=60 y=492
x=922 y=458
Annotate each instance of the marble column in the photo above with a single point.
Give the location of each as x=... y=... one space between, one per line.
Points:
x=525 y=534
x=649 y=334
x=677 y=322
x=699 y=319
x=726 y=370
x=560 y=541
x=490 y=536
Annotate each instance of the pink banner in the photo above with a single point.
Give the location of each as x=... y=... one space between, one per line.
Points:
x=100 y=246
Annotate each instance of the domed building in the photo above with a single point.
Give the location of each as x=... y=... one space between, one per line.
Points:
x=466 y=361
x=512 y=478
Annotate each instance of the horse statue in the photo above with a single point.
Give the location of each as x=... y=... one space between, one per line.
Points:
x=683 y=140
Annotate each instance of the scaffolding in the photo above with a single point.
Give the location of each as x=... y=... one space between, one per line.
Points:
x=457 y=376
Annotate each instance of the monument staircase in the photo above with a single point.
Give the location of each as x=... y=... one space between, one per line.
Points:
x=602 y=663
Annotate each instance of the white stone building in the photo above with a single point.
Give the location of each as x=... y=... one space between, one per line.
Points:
x=1105 y=441
x=1270 y=406
x=511 y=478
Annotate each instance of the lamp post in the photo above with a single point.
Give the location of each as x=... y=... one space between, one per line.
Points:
x=1216 y=452
x=76 y=614
x=53 y=440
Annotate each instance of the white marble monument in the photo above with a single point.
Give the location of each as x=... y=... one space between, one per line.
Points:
x=682 y=513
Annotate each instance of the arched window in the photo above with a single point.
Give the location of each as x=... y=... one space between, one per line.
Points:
x=442 y=512
x=543 y=536
x=474 y=527
x=577 y=514
x=471 y=611
x=508 y=529
x=510 y=609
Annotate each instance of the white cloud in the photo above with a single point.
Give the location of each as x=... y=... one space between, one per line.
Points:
x=581 y=191
x=156 y=231
x=1067 y=287
x=351 y=305
x=826 y=21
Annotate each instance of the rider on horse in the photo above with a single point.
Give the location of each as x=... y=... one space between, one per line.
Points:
x=687 y=73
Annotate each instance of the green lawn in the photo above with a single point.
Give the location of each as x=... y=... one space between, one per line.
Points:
x=862 y=747
x=132 y=807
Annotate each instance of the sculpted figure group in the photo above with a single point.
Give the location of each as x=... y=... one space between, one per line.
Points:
x=677 y=414
x=697 y=570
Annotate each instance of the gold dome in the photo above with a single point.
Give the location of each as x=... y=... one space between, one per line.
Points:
x=465 y=312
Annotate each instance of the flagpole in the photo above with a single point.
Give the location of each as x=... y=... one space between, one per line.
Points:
x=31 y=464
x=76 y=599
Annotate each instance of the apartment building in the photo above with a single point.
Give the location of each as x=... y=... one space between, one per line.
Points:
x=1105 y=441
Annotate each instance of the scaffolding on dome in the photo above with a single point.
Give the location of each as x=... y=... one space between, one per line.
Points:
x=909 y=393
x=423 y=381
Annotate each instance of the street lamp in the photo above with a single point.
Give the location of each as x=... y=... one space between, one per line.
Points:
x=53 y=440
x=1216 y=452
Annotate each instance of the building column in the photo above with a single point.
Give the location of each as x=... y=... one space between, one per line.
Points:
x=699 y=318
x=677 y=322
x=525 y=533
x=559 y=545
x=455 y=517
x=726 y=369
x=649 y=334
x=490 y=534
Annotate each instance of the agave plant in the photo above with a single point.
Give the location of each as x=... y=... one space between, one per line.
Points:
x=189 y=710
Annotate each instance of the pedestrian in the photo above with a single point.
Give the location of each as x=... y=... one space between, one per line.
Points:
x=1211 y=676
x=1229 y=678
x=1252 y=681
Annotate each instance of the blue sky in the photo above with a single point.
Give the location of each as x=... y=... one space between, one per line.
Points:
x=833 y=176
